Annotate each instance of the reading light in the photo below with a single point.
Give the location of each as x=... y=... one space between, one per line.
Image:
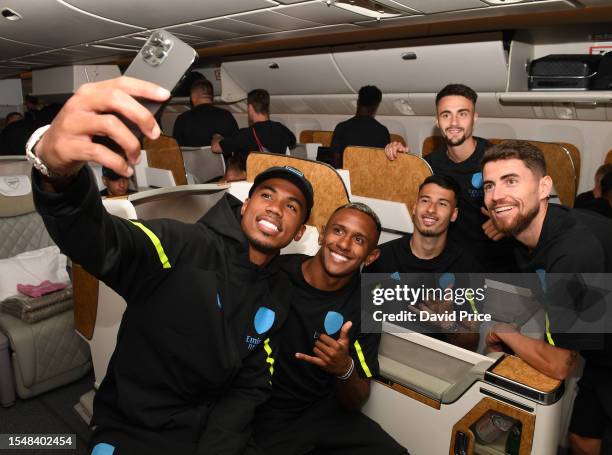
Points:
x=370 y=8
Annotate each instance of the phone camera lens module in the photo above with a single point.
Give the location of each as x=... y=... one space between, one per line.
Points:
x=147 y=52
x=157 y=39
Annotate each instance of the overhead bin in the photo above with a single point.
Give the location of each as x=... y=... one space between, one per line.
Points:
x=427 y=65
x=294 y=75
x=10 y=92
x=65 y=80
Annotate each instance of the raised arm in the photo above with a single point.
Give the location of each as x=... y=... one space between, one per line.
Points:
x=108 y=247
x=68 y=144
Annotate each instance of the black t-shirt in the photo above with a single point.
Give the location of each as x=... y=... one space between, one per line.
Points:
x=467 y=229
x=274 y=137
x=598 y=205
x=297 y=384
x=571 y=241
x=361 y=130
x=195 y=128
x=397 y=256
x=14 y=136
x=583 y=198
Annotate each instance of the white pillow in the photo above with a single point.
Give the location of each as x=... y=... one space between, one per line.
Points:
x=32 y=267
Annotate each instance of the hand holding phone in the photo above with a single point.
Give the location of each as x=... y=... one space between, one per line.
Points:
x=163 y=60
x=95 y=111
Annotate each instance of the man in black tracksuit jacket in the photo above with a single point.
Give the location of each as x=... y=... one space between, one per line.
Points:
x=569 y=254
x=193 y=355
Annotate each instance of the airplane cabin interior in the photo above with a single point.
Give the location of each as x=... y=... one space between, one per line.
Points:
x=312 y=57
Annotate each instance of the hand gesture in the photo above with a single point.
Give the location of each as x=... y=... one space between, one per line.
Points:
x=330 y=355
x=392 y=149
x=489 y=228
x=68 y=142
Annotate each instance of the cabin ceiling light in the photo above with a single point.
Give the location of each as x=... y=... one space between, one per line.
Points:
x=10 y=15
x=370 y=8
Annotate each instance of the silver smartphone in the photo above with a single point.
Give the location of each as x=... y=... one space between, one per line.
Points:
x=163 y=60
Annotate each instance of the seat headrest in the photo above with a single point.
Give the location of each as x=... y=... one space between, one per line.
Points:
x=15 y=195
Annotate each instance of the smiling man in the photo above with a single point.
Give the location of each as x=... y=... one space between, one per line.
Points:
x=459 y=157
x=428 y=250
x=322 y=374
x=554 y=240
x=193 y=357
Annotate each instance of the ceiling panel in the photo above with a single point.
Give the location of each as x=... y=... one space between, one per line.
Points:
x=60 y=57
x=536 y=6
x=12 y=49
x=289 y=2
x=124 y=41
x=296 y=33
x=234 y=26
x=91 y=51
x=149 y=14
x=276 y=21
x=51 y=24
x=202 y=33
x=398 y=6
x=319 y=12
x=521 y=8
x=439 y=6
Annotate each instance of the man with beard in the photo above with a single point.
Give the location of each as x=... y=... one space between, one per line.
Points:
x=322 y=374
x=429 y=251
x=553 y=240
x=459 y=157
x=193 y=357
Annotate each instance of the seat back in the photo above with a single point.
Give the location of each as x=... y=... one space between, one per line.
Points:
x=574 y=153
x=561 y=169
x=202 y=164
x=325 y=137
x=316 y=136
x=608 y=159
x=562 y=161
x=21 y=228
x=374 y=176
x=329 y=190
x=165 y=153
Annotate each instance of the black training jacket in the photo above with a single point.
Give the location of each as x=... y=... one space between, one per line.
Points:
x=193 y=357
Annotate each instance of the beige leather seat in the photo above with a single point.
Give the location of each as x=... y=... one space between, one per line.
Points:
x=562 y=160
x=48 y=353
